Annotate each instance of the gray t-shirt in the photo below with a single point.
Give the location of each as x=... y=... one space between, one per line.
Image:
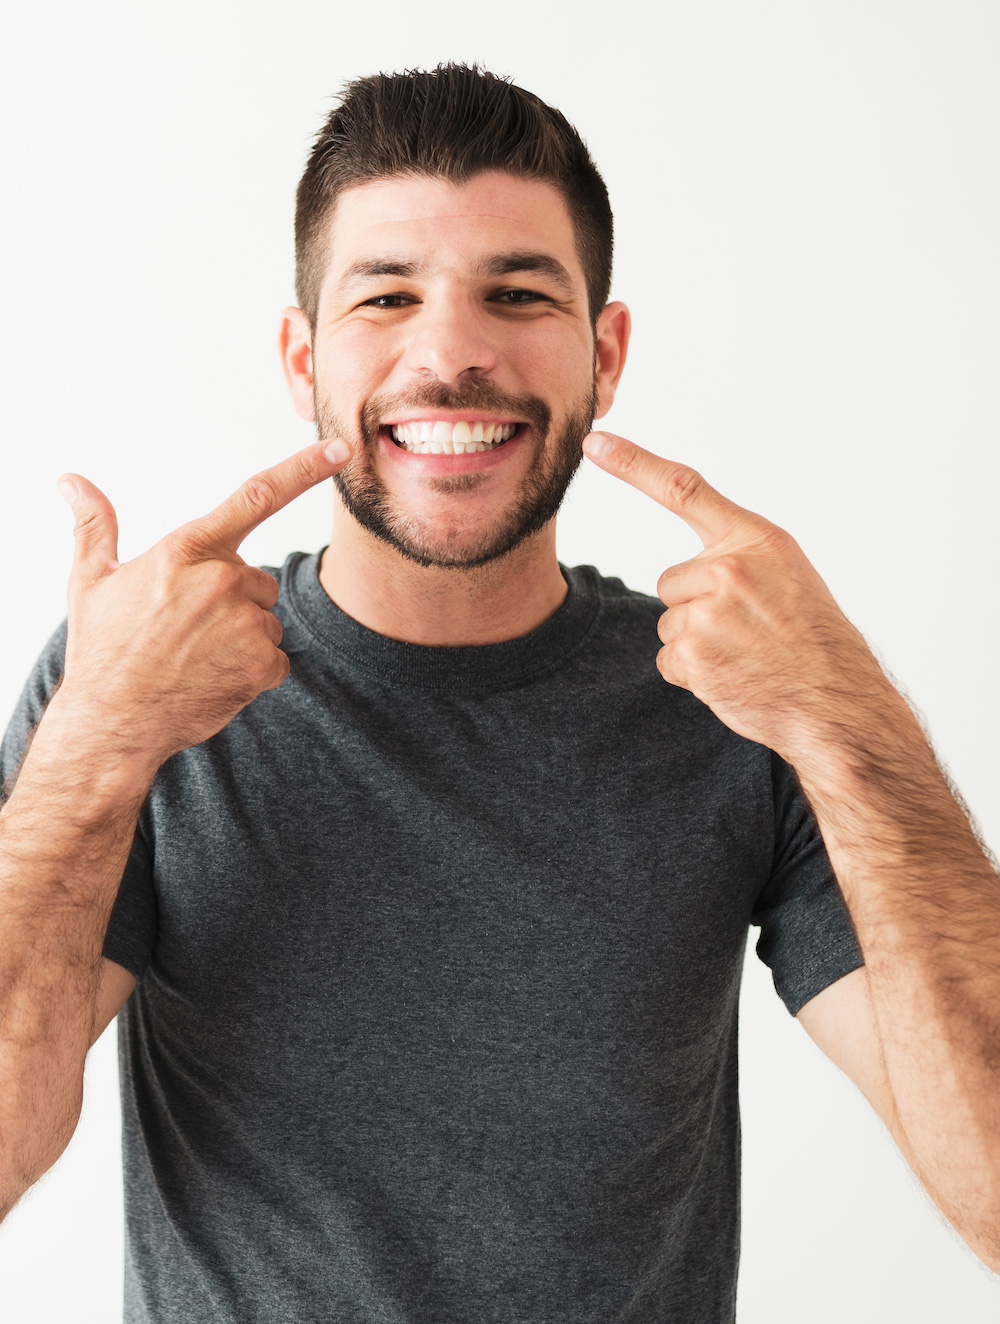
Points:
x=439 y=955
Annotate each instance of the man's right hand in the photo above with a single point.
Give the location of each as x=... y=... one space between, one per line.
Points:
x=165 y=650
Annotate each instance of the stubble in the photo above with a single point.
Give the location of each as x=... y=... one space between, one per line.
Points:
x=424 y=541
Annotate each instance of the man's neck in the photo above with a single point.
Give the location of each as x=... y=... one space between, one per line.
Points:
x=383 y=590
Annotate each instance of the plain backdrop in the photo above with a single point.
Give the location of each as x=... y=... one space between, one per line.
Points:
x=807 y=208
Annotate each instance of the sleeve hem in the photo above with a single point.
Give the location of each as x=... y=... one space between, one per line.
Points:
x=836 y=965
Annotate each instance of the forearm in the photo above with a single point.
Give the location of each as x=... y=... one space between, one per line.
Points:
x=161 y=653
x=925 y=900
x=65 y=835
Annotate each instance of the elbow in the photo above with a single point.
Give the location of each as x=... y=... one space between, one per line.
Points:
x=986 y=1249
x=27 y=1155
x=18 y=1177
x=987 y=1246
x=978 y=1223
x=13 y=1184
x=8 y=1199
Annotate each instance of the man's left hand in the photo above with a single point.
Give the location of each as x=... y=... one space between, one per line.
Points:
x=750 y=628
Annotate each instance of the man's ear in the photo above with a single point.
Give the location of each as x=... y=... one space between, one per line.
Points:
x=295 y=345
x=614 y=326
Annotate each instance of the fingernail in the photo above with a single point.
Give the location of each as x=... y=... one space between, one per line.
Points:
x=598 y=444
x=69 y=492
x=337 y=450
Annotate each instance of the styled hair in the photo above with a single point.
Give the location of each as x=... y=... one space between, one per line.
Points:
x=453 y=122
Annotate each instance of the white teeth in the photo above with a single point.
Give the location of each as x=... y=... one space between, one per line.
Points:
x=443 y=438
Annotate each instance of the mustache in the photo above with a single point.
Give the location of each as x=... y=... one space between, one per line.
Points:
x=474 y=396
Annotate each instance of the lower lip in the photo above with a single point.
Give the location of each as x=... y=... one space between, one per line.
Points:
x=472 y=462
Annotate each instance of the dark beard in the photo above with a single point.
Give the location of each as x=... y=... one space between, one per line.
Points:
x=540 y=497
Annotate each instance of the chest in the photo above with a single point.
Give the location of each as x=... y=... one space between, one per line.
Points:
x=468 y=876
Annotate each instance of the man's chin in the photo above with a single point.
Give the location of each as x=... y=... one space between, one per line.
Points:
x=432 y=547
x=440 y=538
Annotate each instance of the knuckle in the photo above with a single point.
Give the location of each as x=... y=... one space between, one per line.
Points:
x=267 y=588
x=259 y=495
x=279 y=671
x=777 y=541
x=701 y=617
x=730 y=570
x=682 y=486
x=304 y=471
x=220 y=578
x=684 y=657
x=182 y=546
x=628 y=460
x=664 y=582
x=88 y=522
x=666 y=665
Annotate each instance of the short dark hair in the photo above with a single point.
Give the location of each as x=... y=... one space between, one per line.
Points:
x=455 y=122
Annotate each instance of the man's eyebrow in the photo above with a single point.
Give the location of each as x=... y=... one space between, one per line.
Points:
x=501 y=264
x=544 y=264
x=366 y=267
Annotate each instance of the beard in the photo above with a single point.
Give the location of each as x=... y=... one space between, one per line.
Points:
x=425 y=541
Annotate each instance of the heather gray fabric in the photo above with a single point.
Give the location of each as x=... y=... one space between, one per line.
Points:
x=439 y=956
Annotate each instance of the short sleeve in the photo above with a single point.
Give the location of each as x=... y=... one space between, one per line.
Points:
x=131 y=934
x=38 y=690
x=806 y=934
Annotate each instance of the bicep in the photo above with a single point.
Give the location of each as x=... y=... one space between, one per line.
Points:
x=114 y=990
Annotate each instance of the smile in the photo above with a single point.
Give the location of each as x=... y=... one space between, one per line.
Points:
x=438 y=437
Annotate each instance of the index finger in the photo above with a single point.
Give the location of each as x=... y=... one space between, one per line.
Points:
x=675 y=486
x=225 y=527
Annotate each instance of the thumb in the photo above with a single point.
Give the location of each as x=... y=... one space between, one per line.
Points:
x=96 y=530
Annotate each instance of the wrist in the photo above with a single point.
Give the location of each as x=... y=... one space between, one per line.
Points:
x=86 y=743
x=847 y=737
x=872 y=775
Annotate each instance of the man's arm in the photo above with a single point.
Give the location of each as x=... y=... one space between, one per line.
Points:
x=65 y=836
x=752 y=631
x=925 y=901
x=161 y=654
x=840 y=1020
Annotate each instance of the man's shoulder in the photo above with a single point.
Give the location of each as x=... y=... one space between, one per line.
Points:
x=623 y=614
x=285 y=572
x=613 y=592
x=41 y=684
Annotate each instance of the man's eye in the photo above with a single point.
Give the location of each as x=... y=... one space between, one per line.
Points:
x=518 y=298
x=385 y=301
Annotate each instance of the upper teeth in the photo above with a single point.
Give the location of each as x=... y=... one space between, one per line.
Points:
x=442 y=438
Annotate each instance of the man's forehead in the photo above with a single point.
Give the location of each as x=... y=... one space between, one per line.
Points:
x=417 y=217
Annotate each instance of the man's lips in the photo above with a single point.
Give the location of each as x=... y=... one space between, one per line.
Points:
x=477 y=457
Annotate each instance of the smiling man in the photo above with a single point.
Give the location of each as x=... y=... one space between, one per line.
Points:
x=453 y=333
x=427 y=925
x=404 y=485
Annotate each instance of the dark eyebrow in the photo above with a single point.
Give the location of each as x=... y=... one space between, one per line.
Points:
x=511 y=264
x=365 y=268
x=502 y=264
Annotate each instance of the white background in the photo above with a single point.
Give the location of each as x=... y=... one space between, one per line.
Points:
x=807 y=213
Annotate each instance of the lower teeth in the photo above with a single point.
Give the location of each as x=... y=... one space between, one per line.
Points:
x=447 y=448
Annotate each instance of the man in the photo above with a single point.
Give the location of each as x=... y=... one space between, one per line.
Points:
x=427 y=926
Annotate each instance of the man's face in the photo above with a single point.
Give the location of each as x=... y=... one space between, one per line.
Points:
x=450 y=315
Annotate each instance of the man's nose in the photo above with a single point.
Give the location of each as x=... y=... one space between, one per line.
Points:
x=451 y=342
